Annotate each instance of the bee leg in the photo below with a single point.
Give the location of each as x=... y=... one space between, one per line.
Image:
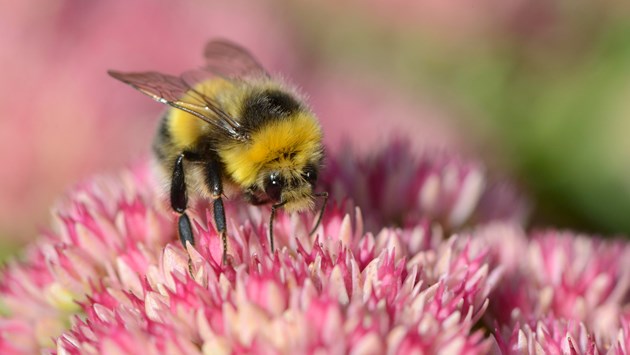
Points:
x=179 y=201
x=271 y=217
x=213 y=180
x=323 y=195
x=273 y=214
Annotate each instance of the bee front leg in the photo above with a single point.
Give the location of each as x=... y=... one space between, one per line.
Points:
x=179 y=201
x=214 y=182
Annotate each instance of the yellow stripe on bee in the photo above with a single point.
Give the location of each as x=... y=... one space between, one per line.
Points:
x=298 y=135
x=185 y=128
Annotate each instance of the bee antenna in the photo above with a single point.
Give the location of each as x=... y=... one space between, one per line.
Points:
x=323 y=195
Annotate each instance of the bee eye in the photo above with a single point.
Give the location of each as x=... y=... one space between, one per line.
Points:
x=273 y=186
x=310 y=174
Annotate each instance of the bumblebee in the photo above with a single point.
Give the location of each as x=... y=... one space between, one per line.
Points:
x=232 y=127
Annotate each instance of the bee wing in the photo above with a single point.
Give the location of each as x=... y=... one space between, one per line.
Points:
x=179 y=93
x=230 y=60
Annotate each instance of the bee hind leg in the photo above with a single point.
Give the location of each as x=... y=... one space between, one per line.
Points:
x=214 y=182
x=179 y=201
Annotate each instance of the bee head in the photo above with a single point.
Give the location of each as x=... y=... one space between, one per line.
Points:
x=292 y=187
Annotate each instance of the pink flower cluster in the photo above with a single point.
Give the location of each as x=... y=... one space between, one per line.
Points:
x=414 y=255
x=559 y=291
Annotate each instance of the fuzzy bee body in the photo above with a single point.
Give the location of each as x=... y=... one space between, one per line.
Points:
x=233 y=128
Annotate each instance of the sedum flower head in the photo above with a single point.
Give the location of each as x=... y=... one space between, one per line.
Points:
x=559 y=290
x=394 y=185
x=551 y=335
x=402 y=273
x=111 y=277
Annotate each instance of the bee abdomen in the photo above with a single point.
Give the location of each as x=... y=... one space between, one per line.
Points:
x=163 y=140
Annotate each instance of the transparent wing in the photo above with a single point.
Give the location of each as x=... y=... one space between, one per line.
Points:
x=230 y=60
x=179 y=92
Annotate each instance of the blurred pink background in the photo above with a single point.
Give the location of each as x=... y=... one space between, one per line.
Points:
x=65 y=119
